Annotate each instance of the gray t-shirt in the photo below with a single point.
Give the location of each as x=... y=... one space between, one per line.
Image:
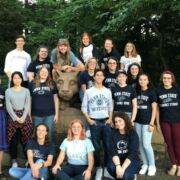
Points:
x=17 y=100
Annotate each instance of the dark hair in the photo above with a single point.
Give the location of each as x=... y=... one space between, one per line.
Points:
x=20 y=36
x=12 y=76
x=130 y=79
x=98 y=70
x=150 y=85
x=46 y=137
x=128 y=125
x=172 y=76
x=36 y=57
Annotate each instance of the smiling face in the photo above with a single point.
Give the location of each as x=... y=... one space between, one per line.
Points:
x=122 y=78
x=167 y=80
x=143 y=81
x=63 y=48
x=43 y=73
x=43 y=53
x=112 y=65
x=41 y=132
x=119 y=124
x=134 y=70
x=20 y=42
x=99 y=77
x=85 y=40
x=76 y=129
x=92 y=64
x=108 y=45
x=129 y=47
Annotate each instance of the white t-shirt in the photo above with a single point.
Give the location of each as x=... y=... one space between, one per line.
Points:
x=77 y=151
x=17 y=61
x=128 y=61
x=87 y=52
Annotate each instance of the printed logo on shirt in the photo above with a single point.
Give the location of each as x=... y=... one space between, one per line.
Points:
x=168 y=100
x=37 y=154
x=43 y=65
x=122 y=147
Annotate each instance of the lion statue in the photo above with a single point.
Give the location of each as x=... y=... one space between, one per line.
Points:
x=67 y=84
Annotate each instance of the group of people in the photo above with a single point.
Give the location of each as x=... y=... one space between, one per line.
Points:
x=119 y=104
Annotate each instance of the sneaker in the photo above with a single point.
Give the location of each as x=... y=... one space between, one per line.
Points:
x=106 y=174
x=151 y=171
x=99 y=173
x=14 y=163
x=143 y=170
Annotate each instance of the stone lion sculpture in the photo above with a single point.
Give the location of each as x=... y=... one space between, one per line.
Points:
x=67 y=84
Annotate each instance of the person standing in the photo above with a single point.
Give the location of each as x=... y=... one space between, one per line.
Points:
x=41 y=59
x=144 y=123
x=130 y=56
x=18 y=60
x=19 y=122
x=97 y=107
x=168 y=98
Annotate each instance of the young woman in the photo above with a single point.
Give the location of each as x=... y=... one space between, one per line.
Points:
x=147 y=107
x=41 y=59
x=18 y=108
x=86 y=78
x=79 y=151
x=3 y=126
x=124 y=149
x=111 y=73
x=168 y=97
x=108 y=51
x=45 y=101
x=63 y=58
x=87 y=48
x=124 y=96
x=130 y=56
x=134 y=70
x=40 y=154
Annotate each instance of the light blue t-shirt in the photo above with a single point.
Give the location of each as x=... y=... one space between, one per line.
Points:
x=77 y=151
x=74 y=60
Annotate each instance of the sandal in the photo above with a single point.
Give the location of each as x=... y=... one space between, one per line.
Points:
x=178 y=171
x=172 y=171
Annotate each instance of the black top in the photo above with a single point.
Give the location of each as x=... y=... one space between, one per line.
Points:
x=145 y=100
x=105 y=57
x=123 y=97
x=40 y=151
x=42 y=99
x=85 y=78
x=36 y=65
x=169 y=104
x=124 y=145
x=110 y=79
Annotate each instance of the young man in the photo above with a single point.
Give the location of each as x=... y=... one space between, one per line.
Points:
x=97 y=107
x=18 y=60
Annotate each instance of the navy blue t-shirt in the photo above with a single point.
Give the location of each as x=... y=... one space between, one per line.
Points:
x=36 y=65
x=169 y=104
x=85 y=78
x=124 y=145
x=110 y=79
x=42 y=99
x=145 y=100
x=40 y=151
x=123 y=97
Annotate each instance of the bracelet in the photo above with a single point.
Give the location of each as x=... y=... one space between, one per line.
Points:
x=151 y=125
x=117 y=164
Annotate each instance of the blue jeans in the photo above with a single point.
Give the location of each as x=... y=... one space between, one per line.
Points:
x=48 y=120
x=69 y=172
x=129 y=173
x=26 y=174
x=100 y=131
x=145 y=147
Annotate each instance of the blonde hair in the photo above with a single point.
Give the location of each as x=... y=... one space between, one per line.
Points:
x=133 y=53
x=88 y=61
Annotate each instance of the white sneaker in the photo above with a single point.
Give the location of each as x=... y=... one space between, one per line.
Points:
x=143 y=170
x=106 y=174
x=14 y=163
x=151 y=171
x=99 y=173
